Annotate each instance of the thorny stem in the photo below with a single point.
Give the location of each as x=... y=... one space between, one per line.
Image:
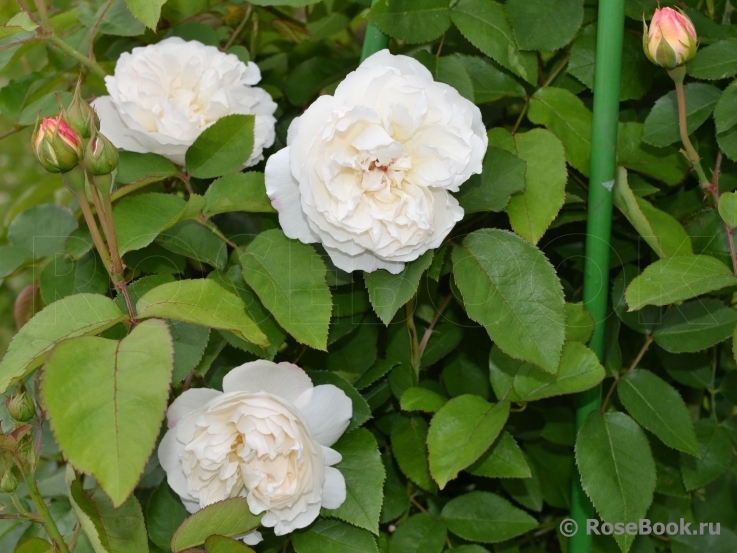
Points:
x=75 y=536
x=43 y=12
x=416 y=355
x=238 y=29
x=521 y=116
x=417 y=504
x=633 y=366
x=185 y=178
x=440 y=46
x=48 y=522
x=93 y=31
x=436 y=318
x=25 y=8
x=84 y=60
x=89 y=218
x=557 y=71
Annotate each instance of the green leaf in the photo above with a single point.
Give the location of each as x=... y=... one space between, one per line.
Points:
x=715 y=455
x=617 y=468
x=462 y=376
x=189 y=342
x=662 y=232
x=64 y=277
x=678 y=278
x=361 y=410
x=13 y=258
x=532 y=211
x=484 y=24
x=717 y=61
x=109 y=529
x=460 y=432
x=421 y=533
x=194 y=240
x=690 y=369
x=725 y=112
x=364 y=480
x=43 y=230
x=412 y=21
x=421 y=399
x=289 y=278
x=489 y=83
x=658 y=407
x=695 y=326
x=238 y=192
x=134 y=167
x=545 y=24
x=333 y=536
x=222 y=148
x=449 y=70
x=409 y=446
x=661 y=125
x=139 y=219
x=79 y=315
x=579 y=323
x=514 y=380
x=566 y=116
x=389 y=292
x=503 y=174
x=724 y=542
x=146 y=11
x=34 y=545
x=221 y=544
x=115 y=391
x=118 y=21
x=313 y=75
x=664 y=164
x=377 y=370
x=504 y=459
x=728 y=208
x=644 y=320
x=202 y=302
x=511 y=288
x=231 y=517
x=485 y=517
x=164 y=514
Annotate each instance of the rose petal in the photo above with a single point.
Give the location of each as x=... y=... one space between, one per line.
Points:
x=327 y=411
x=170 y=456
x=366 y=261
x=189 y=401
x=333 y=491
x=284 y=380
x=253 y=538
x=331 y=456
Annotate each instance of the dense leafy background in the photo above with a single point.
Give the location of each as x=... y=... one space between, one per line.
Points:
x=462 y=369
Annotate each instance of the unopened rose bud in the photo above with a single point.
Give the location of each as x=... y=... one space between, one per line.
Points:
x=100 y=157
x=8 y=484
x=56 y=145
x=21 y=407
x=671 y=39
x=80 y=115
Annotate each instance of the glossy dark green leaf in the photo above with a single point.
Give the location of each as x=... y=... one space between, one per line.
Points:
x=695 y=325
x=333 y=536
x=421 y=533
x=544 y=24
x=503 y=174
x=164 y=513
x=412 y=21
x=715 y=454
x=661 y=125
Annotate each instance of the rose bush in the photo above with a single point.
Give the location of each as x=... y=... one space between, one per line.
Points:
x=322 y=287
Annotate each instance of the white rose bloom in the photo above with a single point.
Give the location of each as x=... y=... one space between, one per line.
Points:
x=267 y=437
x=164 y=95
x=367 y=172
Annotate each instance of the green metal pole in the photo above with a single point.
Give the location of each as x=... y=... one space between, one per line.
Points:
x=599 y=223
x=374 y=40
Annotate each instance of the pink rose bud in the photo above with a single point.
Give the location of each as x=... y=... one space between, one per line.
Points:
x=671 y=39
x=56 y=145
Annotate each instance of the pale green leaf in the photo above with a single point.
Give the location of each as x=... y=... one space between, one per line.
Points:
x=717 y=61
x=222 y=148
x=146 y=11
x=115 y=391
x=202 y=302
x=728 y=207
x=238 y=192
x=221 y=544
x=194 y=240
x=231 y=517
x=579 y=323
x=421 y=399
x=79 y=315
x=139 y=219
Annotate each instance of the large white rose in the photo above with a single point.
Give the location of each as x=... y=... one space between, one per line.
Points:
x=367 y=171
x=164 y=95
x=267 y=437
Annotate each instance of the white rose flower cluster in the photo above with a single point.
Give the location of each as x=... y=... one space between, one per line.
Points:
x=367 y=172
x=266 y=437
x=164 y=95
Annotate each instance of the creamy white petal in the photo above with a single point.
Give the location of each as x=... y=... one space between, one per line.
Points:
x=366 y=261
x=333 y=491
x=253 y=538
x=283 y=191
x=170 y=456
x=327 y=410
x=280 y=379
x=190 y=400
x=331 y=456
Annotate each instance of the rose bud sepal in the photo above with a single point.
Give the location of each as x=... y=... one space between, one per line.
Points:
x=8 y=483
x=80 y=115
x=56 y=145
x=21 y=407
x=100 y=156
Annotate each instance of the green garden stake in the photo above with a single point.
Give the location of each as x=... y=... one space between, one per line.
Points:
x=374 y=41
x=599 y=223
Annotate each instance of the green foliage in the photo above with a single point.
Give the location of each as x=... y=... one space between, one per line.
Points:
x=238 y=192
x=222 y=148
x=544 y=24
x=413 y=21
x=333 y=536
x=227 y=518
x=389 y=292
